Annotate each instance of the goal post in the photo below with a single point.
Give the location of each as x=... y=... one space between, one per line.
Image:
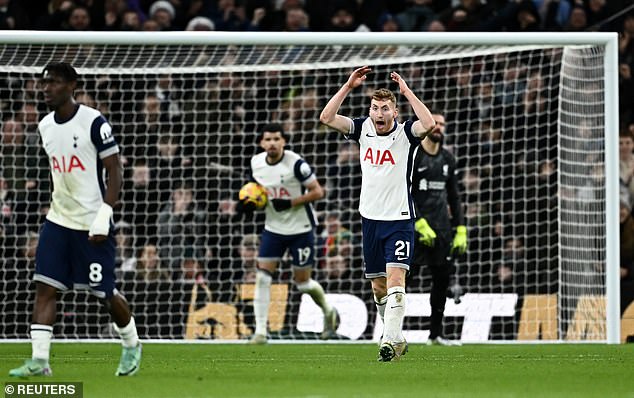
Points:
x=531 y=118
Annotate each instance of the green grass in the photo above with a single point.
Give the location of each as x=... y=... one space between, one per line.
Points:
x=342 y=371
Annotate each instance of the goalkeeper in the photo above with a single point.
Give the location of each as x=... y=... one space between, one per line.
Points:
x=439 y=236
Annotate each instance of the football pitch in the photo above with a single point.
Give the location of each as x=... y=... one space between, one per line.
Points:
x=337 y=370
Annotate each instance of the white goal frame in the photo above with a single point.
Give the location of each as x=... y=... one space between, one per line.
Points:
x=608 y=40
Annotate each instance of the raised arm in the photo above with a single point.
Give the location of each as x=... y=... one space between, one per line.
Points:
x=425 y=123
x=329 y=115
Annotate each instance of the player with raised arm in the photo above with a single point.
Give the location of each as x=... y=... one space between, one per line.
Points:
x=77 y=244
x=290 y=220
x=435 y=187
x=387 y=148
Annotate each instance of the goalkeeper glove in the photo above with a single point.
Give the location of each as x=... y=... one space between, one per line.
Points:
x=459 y=245
x=427 y=235
x=245 y=207
x=101 y=223
x=281 y=204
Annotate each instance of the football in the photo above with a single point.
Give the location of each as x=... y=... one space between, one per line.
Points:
x=254 y=193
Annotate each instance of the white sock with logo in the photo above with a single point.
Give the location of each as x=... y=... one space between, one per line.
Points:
x=41 y=341
x=316 y=292
x=380 y=306
x=128 y=333
x=394 y=314
x=261 y=301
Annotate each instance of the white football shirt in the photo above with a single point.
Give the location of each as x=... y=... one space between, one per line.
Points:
x=75 y=148
x=285 y=179
x=386 y=168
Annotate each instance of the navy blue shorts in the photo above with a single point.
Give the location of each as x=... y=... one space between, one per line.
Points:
x=386 y=244
x=302 y=248
x=65 y=258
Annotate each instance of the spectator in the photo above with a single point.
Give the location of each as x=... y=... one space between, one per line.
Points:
x=512 y=270
x=516 y=15
x=191 y=270
x=626 y=91
x=626 y=161
x=28 y=170
x=83 y=97
x=163 y=13
x=13 y=15
x=344 y=172
x=125 y=261
x=578 y=20
x=275 y=19
x=627 y=251
x=181 y=229
x=337 y=239
x=296 y=20
x=171 y=163
x=141 y=136
x=7 y=219
x=140 y=202
x=466 y=16
x=150 y=25
x=113 y=13
x=169 y=94
x=342 y=19
x=200 y=24
x=597 y=14
x=249 y=246
x=388 y=23
x=335 y=268
x=231 y=16
x=435 y=25
x=626 y=40
x=130 y=21
x=57 y=15
x=30 y=117
x=556 y=13
x=416 y=16
x=14 y=153
x=148 y=265
x=79 y=19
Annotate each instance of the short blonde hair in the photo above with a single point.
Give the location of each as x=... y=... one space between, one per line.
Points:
x=383 y=94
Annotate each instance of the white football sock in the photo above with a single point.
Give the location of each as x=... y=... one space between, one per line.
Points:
x=41 y=341
x=261 y=301
x=380 y=306
x=314 y=290
x=128 y=333
x=394 y=314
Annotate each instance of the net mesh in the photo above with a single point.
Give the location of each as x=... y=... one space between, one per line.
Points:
x=524 y=122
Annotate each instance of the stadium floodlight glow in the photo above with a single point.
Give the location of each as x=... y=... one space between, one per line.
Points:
x=532 y=119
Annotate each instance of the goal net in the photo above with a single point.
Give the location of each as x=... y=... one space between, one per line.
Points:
x=526 y=118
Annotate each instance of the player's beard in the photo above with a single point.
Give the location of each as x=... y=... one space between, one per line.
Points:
x=273 y=154
x=436 y=136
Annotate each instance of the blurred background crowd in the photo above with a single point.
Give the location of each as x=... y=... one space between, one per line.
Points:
x=314 y=15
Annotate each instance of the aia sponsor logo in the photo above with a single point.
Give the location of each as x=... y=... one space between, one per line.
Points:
x=378 y=157
x=66 y=164
x=275 y=192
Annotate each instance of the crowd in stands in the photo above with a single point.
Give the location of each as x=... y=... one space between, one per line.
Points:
x=311 y=15
x=177 y=218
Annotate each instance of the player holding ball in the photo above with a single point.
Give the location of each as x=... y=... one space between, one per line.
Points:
x=290 y=220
